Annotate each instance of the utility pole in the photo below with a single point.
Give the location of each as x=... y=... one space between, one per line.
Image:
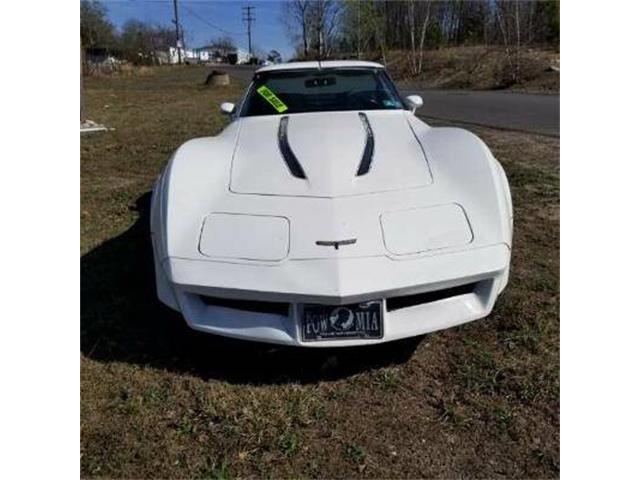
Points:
x=247 y=17
x=358 y=30
x=175 y=20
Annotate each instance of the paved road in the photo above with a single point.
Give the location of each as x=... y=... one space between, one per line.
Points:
x=501 y=109
x=513 y=111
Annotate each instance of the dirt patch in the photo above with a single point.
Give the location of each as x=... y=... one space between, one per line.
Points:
x=161 y=401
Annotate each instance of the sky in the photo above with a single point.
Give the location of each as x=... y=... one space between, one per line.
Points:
x=203 y=20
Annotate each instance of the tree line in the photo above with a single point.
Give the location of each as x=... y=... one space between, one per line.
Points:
x=137 y=42
x=361 y=29
x=371 y=28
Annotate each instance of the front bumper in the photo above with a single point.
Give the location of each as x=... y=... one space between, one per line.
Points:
x=182 y=283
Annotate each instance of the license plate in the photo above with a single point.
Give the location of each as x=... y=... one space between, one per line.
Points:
x=358 y=320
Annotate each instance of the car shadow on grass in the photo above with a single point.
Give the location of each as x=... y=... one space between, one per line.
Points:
x=122 y=321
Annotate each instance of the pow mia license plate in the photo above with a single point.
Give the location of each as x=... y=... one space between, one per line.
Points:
x=359 y=320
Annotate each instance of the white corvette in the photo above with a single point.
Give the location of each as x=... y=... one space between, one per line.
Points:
x=327 y=214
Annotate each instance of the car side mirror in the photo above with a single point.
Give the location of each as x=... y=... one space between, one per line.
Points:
x=414 y=102
x=227 y=108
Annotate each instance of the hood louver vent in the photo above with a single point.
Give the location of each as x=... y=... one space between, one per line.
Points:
x=285 y=149
x=367 y=155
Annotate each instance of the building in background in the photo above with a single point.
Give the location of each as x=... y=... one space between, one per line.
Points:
x=206 y=54
x=188 y=55
x=240 y=57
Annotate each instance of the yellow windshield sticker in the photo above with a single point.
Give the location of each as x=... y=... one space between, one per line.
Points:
x=272 y=98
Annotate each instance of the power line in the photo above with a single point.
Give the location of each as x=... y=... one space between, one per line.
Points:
x=246 y=17
x=208 y=23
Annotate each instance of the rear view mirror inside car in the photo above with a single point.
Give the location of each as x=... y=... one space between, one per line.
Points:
x=320 y=82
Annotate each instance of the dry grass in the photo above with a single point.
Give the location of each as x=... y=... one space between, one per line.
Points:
x=479 y=68
x=161 y=401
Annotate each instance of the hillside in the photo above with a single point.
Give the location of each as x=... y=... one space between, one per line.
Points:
x=478 y=68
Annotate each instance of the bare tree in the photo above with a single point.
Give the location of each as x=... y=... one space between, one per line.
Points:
x=324 y=23
x=312 y=25
x=417 y=37
x=508 y=16
x=95 y=28
x=297 y=18
x=370 y=26
x=225 y=45
x=371 y=21
x=141 y=42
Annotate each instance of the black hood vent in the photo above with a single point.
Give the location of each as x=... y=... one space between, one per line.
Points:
x=285 y=150
x=367 y=155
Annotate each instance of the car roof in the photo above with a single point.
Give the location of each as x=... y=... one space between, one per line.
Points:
x=319 y=64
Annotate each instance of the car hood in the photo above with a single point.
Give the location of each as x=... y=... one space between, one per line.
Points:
x=328 y=154
x=233 y=198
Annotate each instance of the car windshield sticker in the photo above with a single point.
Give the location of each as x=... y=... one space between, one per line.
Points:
x=272 y=98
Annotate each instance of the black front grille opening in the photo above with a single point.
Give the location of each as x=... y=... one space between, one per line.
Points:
x=396 y=303
x=255 y=306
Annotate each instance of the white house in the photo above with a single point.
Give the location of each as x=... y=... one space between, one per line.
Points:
x=186 y=54
x=203 y=55
x=243 y=55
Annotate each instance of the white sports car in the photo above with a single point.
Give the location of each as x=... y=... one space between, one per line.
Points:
x=327 y=214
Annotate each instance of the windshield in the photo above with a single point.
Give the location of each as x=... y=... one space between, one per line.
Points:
x=315 y=90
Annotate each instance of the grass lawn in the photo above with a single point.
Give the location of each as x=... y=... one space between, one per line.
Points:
x=159 y=400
